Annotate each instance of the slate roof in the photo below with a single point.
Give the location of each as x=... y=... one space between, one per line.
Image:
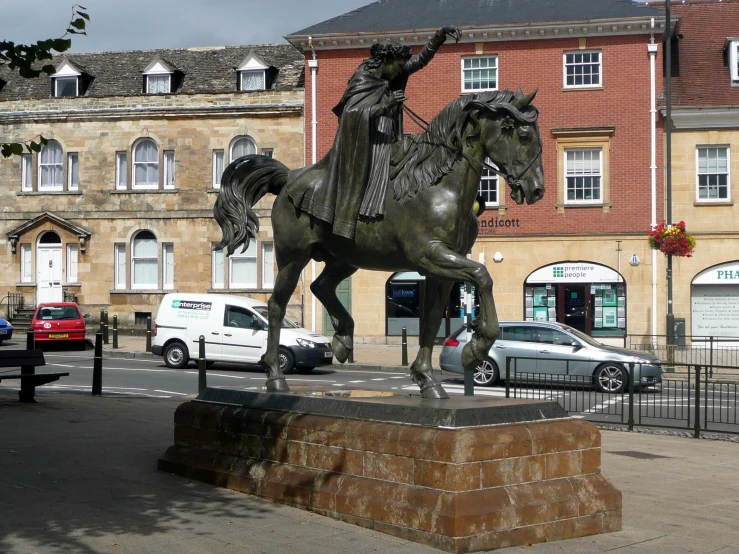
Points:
x=405 y=15
x=204 y=70
x=704 y=78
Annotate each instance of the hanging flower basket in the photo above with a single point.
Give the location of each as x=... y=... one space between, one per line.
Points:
x=672 y=240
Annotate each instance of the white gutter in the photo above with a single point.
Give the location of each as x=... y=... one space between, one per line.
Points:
x=313 y=64
x=652 y=49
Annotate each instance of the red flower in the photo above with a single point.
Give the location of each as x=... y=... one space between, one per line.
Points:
x=672 y=240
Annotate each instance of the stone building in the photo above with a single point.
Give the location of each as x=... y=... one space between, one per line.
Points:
x=116 y=210
x=598 y=70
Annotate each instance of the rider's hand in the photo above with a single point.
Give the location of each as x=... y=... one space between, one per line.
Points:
x=453 y=32
x=392 y=100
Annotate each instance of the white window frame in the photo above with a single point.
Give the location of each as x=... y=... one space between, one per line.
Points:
x=121 y=265
x=56 y=186
x=490 y=176
x=27 y=173
x=237 y=140
x=219 y=264
x=155 y=78
x=219 y=157
x=268 y=265
x=251 y=72
x=734 y=60
x=568 y=175
x=147 y=185
x=142 y=258
x=67 y=78
x=167 y=266
x=121 y=170
x=565 y=65
x=465 y=71
x=698 y=174
x=26 y=263
x=251 y=257
x=269 y=152
x=72 y=263
x=169 y=182
x=73 y=171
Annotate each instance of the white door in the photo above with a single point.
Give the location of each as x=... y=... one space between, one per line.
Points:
x=241 y=342
x=49 y=274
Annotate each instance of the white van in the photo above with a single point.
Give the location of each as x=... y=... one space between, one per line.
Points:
x=235 y=330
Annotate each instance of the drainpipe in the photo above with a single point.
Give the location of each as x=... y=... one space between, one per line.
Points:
x=652 y=49
x=313 y=64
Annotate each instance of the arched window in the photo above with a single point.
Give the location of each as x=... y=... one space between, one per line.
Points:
x=241 y=147
x=144 y=261
x=145 y=165
x=50 y=167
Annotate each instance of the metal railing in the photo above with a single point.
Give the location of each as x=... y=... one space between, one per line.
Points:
x=693 y=397
x=703 y=350
x=13 y=302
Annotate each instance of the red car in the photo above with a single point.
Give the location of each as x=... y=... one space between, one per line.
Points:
x=59 y=322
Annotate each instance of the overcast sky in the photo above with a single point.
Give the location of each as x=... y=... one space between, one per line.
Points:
x=148 y=24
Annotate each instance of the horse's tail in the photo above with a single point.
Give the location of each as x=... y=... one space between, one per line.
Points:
x=244 y=182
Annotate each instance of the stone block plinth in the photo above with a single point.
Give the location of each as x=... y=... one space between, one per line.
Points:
x=461 y=475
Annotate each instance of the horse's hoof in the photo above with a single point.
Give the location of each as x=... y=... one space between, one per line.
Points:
x=434 y=390
x=341 y=350
x=277 y=385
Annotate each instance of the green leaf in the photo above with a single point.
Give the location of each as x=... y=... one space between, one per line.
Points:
x=78 y=24
x=5 y=151
x=83 y=14
x=62 y=44
x=34 y=146
x=43 y=140
x=16 y=148
x=49 y=69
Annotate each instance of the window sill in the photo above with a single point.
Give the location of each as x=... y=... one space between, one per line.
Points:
x=146 y=191
x=27 y=285
x=710 y=203
x=606 y=207
x=235 y=290
x=142 y=291
x=575 y=89
x=213 y=190
x=75 y=284
x=50 y=193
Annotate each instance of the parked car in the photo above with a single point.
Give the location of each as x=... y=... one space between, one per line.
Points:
x=553 y=351
x=55 y=322
x=6 y=330
x=235 y=330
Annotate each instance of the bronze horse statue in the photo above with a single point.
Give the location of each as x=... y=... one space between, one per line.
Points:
x=429 y=222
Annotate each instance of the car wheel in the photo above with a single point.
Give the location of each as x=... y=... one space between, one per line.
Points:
x=486 y=373
x=304 y=370
x=176 y=355
x=287 y=360
x=611 y=377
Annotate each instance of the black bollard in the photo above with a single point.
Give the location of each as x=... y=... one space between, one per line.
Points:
x=28 y=391
x=115 y=331
x=102 y=320
x=97 y=366
x=148 y=334
x=202 y=384
x=404 y=349
x=105 y=327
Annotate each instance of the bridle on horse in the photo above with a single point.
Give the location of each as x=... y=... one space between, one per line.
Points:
x=423 y=124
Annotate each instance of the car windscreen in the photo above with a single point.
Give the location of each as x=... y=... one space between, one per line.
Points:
x=286 y=322
x=52 y=313
x=582 y=336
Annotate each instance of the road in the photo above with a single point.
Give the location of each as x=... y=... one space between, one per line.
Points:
x=673 y=406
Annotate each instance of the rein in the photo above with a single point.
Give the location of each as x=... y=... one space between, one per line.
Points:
x=423 y=124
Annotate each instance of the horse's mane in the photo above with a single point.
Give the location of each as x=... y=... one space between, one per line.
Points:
x=427 y=161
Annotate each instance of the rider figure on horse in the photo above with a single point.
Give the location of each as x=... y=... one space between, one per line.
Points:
x=370 y=122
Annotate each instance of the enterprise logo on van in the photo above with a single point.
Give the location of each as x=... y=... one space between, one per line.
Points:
x=186 y=305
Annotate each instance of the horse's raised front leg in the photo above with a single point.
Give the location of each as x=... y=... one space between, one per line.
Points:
x=435 y=296
x=324 y=287
x=443 y=262
x=285 y=283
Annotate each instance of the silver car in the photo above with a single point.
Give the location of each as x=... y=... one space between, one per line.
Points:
x=552 y=352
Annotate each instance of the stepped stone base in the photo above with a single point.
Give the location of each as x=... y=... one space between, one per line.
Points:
x=457 y=486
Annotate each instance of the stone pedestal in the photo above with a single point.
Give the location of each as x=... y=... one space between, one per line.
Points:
x=461 y=475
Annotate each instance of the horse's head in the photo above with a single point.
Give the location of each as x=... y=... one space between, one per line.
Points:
x=510 y=138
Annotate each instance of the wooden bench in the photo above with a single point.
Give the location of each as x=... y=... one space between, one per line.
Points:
x=28 y=361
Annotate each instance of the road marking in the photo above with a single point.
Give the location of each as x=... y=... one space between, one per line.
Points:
x=62 y=365
x=171 y=392
x=379 y=379
x=353 y=382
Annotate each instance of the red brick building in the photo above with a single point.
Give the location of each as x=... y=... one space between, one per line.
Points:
x=565 y=258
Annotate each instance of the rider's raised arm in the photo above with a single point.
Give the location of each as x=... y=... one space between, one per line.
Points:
x=427 y=53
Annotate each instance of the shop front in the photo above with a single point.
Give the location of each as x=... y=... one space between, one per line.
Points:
x=588 y=296
x=714 y=301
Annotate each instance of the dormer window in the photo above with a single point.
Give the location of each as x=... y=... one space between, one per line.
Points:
x=732 y=45
x=252 y=73
x=158 y=78
x=66 y=81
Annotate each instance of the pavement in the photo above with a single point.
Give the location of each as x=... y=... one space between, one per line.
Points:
x=78 y=475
